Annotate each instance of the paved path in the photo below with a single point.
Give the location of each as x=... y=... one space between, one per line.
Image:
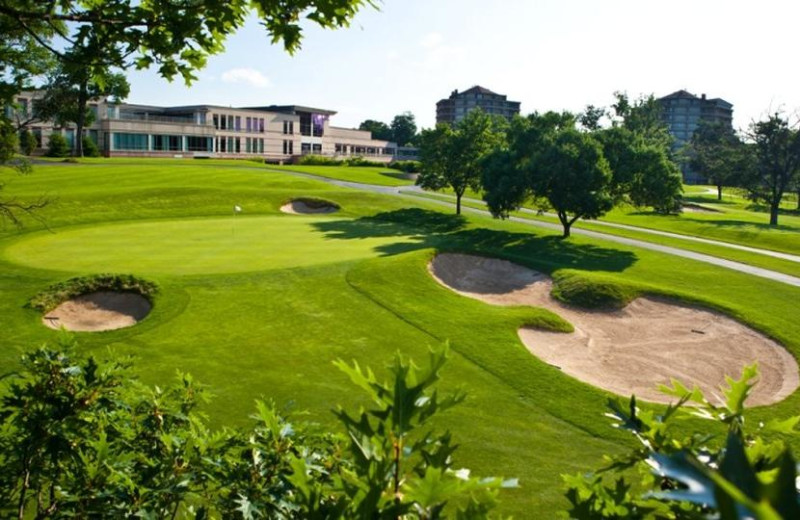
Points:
x=408 y=191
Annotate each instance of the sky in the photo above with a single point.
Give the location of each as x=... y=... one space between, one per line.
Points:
x=547 y=54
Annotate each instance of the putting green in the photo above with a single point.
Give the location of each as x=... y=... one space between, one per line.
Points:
x=195 y=246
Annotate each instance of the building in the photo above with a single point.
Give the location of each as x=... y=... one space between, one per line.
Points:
x=683 y=113
x=273 y=133
x=453 y=109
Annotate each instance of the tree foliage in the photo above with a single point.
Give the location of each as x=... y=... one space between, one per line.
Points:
x=81 y=438
x=776 y=158
x=731 y=471
x=452 y=156
x=716 y=151
x=379 y=129
x=549 y=159
x=404 y=129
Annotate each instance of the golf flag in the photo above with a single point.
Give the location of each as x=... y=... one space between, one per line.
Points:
x=237 y=209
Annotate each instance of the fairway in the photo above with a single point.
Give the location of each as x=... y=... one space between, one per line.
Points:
x=193 y=246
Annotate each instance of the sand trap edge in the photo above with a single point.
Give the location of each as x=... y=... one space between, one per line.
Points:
x=309 y=206
x=99 y=311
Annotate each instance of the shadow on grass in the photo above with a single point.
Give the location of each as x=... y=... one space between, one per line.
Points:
x=399 y=175
x=431 y=229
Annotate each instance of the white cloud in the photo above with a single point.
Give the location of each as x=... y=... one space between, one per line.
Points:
x=431 y=40
x=249 y=76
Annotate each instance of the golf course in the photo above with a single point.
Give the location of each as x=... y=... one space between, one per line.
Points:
x=266 y=276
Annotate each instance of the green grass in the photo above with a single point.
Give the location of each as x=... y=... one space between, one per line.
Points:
x=666 y=223
x=260 y=304
x=360 y=174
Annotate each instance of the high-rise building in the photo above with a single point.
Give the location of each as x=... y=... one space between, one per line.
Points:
x=453 y=109
x=683 y=112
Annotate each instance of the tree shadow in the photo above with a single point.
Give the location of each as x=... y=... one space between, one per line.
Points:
x=400 y=175
x=431 y=229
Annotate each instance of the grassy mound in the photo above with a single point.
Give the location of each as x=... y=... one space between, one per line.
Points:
x=57 y=294
x=592 y=294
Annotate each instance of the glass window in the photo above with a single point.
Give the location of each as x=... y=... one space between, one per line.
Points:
x=238 y=123
x=198 y=144
x=130 y=141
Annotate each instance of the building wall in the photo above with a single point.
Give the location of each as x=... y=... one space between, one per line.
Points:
x=455 y=108
x=207 y=131
x=683 y=112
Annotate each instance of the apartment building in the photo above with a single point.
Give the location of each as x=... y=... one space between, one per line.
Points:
x=683 y=113
x=453 y=109
x=273 y=133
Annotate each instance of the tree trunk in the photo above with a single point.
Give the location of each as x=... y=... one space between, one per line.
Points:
x=773 y=212
x=719 y=192
x=565 y=222
x=81 y=119
x=458 y=202
x=798 y=199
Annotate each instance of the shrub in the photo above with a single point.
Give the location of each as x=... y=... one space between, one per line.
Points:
x=81 y=438
x=27 y=142
x=750 y=474
x=56 y=294
x=592 y=294
x=90 y=148
x=406 y=166
x=360 y=161
x=318 y=160
x=57 y=146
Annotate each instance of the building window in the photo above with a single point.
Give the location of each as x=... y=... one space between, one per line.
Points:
x=238 y=123
x=260 y=146
x=316 y=148
x=285 y=130
x=288 y=148
x=198 y=144
x=130 y=141
x=261 y=125
x=305 y=148
x=215 y=117
x=249 y=124
x=230 y=122
x=167 y=143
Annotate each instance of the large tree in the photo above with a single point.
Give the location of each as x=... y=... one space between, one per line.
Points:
x=452 y=156
x=776 y=149
x=549 y=158
x=715 y=151
x=404 y=129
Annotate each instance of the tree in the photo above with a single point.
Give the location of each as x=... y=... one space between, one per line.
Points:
x=591 y=116
x=68 y=93
x=176 y=37
x=638 y=148
x=404 y=129
x=549 y=158
x=714 y=151
x=379 y=129
x=451 y=156
x=776 y=147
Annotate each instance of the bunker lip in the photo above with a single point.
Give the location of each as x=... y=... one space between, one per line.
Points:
x=99 y=311
x=632 y=350
x=691 y=207
x=307 y=206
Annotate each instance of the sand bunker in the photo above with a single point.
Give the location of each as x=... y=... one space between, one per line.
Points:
x=633 y=350
x=308 y=206
x=99 y=311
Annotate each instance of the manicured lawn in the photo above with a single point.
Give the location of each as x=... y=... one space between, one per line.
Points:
x=361 y=174
x=258 y=305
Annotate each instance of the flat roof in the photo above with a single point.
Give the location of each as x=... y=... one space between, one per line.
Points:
x=293 y=109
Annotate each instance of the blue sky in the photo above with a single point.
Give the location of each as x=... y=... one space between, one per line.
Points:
x=547 y=54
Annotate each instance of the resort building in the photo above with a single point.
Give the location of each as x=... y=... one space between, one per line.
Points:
x=453 y=109
x=683 y=112
x=273 y=133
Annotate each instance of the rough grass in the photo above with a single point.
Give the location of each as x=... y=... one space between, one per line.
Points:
x=58 y=293
x=268 y=322
x=580 y=291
